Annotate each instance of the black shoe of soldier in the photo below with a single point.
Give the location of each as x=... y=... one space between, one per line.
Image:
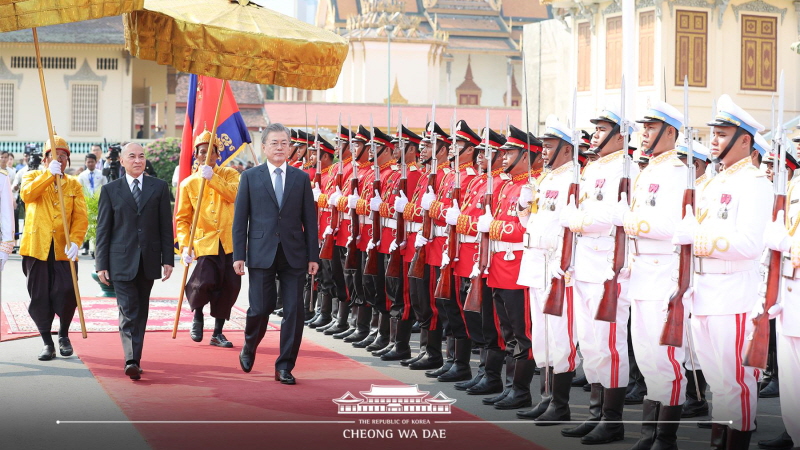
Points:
x=48 y=352
x=65 y=346
x=219 y=340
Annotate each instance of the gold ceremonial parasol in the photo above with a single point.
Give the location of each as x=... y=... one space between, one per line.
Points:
x=21 y=14
x=235 y=40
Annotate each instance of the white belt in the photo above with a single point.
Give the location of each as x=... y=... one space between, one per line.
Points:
x=643 y=246
x=439 y=231
x=467 y=239
x=325 y=209
x=499 y=246
x=390 y=223
x=413 y=227
x=594 y=235
x=713 y=265
x=788 y=270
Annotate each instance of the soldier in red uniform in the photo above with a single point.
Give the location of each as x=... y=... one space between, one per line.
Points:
x=401 y=313
x=299 y=147
x=432 y=328
x=505 y=233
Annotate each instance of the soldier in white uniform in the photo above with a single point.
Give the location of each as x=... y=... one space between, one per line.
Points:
x=540 y=261
x=604 y=345
x=650 y=221
x=733 y=210
x=6 y=218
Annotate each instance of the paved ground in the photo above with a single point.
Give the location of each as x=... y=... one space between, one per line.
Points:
x=34 y=394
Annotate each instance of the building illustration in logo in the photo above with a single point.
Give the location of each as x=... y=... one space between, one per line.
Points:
x=407 y=399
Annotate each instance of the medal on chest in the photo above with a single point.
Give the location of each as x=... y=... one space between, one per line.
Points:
x=550 y=200
x=724 y=200
x=651 y=197
x=598 y=189
x=512 y=209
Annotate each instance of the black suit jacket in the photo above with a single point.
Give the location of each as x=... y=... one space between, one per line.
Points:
x=126 y=233
x=259 y=225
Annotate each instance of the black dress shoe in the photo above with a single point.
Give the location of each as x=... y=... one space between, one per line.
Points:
x=320 y=321
x=694 y=408
x=379 y=343
x=395 y=355
x=64 y=346
x=197 y=330
x=278 y=312
x=415 y=328
x=367 y=341
x=48 y=352
x=336 y=329
x=219 y=340
x=771 y=390
x=384 y=350
x=355 y=337
x=246 y=360
x=132 y=370
x=782 y=442
x=285 y=377
x=496 y=398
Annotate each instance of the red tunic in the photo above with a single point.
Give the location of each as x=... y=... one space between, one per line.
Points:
x=366 y=191
x=326 y=180
x=439 y=208
x=506 y=229
x=344 y=226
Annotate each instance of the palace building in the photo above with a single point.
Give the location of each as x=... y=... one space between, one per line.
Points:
x=404 y=399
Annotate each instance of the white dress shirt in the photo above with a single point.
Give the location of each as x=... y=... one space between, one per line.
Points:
x=85 y=179
x=272 y=174
x=130 y=179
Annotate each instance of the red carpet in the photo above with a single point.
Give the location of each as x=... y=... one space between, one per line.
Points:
x=184 y=380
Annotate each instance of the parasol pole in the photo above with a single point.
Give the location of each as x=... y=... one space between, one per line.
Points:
x=210 y=151
x=51 y=134
x=253 y=152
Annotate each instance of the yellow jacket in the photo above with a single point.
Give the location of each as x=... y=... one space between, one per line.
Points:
x=215 y=223
x=43 y=223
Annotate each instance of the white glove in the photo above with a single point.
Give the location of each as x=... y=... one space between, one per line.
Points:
x=393 y=246
x=567 y=212
x=328 y=230
x=54 y=167
x=776 y=236
x=334 y=198
x=420 y=241
x=774 y=311
x=684 y=232
x=451 y=216
x=206 y=172
x=621 y=208
x=352 y=199
x=317 y=192
x=476 y=271
x=687 y=300
x=3 y=259
x=186 y=257
x=72 y=251
x=400 y=202
x=485 y=223
x=349 y=241
x=624 y=274
x=428 y=198
x=375 y=201
x=371 y=245
x=525 y=196
x=555 y=269
x=445 y=260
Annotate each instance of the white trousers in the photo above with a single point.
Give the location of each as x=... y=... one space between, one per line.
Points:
x=789 y=363
x=719 y=343
x=604 y=345
x=660 y=364
x=562 y=340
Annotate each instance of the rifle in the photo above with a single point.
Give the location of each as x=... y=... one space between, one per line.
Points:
x=755 y=354
x=371 y=263
x=474 y=297
x=672 y=333
x=352 y=261
x=326 y=251
x=417 y=266
x=607 y=308
x=554 y=305
x=444 y=287
x=318 y=172
x=395 y=264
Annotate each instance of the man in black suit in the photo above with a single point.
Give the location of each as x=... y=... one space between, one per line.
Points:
x=134 y=240
x=275 y=231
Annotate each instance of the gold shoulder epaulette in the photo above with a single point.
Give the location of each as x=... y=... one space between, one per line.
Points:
x=505 y=176
x=412 y=169
x=470 y=171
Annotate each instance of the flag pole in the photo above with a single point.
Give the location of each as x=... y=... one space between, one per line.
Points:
x=211 y=146
x=59 y=186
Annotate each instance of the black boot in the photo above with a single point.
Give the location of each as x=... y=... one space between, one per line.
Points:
x=386 y=335
x=558 y=409
x=392 y=338
x=325 y=307
x=772 y=389
x=694 y=406
x=737 y=440
x=341 y=320
x=649 y=419
x=423 y=344
x=637 y=388
x=719 y=436
x=492 y=382
x=448 y=363
x=544 y=401
x=416 y=328
x=401 y=349
x=608 y=431
x=667 y=429
x=464 y=385
x=511 y=365
x=595 y=414
x=579 y=381
x=363 y=317
x=460 y=370
x=433 y=352
x=782 y=442
x=520 y=394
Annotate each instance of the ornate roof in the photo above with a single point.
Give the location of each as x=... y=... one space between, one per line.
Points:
x=468 y=85
x=394 y=391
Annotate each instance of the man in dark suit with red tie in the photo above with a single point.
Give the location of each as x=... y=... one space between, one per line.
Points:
x=275 y=235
